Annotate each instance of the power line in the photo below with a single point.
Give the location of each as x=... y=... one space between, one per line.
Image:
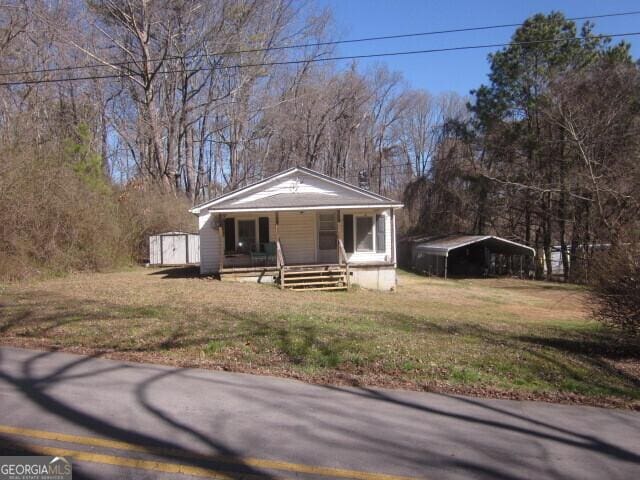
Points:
x=352 y=172
x=326 y=59
x=308 y=45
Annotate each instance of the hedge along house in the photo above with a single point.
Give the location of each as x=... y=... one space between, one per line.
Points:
x=301 y=229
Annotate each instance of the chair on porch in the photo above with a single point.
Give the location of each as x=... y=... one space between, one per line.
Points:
x=257 y=256
x=268 y=251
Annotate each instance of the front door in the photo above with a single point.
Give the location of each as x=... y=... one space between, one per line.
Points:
x=327 y=238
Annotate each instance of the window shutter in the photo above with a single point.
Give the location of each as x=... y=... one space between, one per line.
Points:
x=348 y=233
x=381 y=237
x=229 y=235
x=263 y=231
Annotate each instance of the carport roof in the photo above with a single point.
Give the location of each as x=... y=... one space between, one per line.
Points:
x=443 y=245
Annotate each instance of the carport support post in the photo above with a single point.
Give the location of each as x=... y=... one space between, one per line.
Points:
x=521 y=272
x=446 y=262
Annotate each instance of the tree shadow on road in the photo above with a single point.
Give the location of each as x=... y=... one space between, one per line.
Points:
x=535 y=428
x=319 y=416
x=34 y=388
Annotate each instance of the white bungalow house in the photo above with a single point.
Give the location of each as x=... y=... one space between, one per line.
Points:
x=301 y=229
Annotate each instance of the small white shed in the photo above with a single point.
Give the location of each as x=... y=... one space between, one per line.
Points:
x=174 y=248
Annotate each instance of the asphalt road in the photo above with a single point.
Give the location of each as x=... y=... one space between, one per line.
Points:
x=125 y=420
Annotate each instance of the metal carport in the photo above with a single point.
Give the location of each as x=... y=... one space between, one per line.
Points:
x=471 y=251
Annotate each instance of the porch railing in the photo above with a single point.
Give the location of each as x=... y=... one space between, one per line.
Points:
x=343 y=260
x=280 y=262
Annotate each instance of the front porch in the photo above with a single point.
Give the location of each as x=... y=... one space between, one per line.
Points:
x=292 y=249
x=301 y=249
x=305 y=249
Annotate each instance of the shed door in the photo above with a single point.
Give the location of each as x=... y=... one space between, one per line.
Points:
x=174 y=249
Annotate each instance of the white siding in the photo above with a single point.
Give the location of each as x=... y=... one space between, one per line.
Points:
x=209 y=244
x=298 y=237
x=194 y=248
x=154 y=250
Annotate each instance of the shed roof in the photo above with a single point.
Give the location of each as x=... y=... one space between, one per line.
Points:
x=443 y=245
x=297 y=188
x=175 y=233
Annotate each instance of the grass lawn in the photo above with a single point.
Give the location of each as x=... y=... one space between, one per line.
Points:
x=504 y=338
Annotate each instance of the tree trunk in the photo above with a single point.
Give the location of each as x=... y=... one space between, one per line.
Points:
x=190 y=170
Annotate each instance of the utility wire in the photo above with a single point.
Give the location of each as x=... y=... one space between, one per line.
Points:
x=351 y=172
x=326 y=59
x=307 y=45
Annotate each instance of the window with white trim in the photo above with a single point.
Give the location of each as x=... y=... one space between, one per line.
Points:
x=327 y=231
x=246 y=235
x=381 y=232
x=364 y=234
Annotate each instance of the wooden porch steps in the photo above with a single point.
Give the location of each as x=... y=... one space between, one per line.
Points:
x=311 y=277
x=320 y=288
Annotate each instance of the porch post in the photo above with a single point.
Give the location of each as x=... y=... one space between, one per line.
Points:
x=341 y=254
x=393 y=237
x=221 y=237
x=279 y=264
x=339 y=233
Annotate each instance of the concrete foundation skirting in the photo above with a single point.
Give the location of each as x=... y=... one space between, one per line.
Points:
x=374 y=278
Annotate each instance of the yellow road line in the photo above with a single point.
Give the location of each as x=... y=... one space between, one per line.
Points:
x=252 y=462
x=79 y=455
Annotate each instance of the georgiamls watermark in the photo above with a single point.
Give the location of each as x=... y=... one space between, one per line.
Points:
x=35 y=468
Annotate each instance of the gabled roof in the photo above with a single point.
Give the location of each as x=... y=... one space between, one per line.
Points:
x=297 y=188
x=443 y=245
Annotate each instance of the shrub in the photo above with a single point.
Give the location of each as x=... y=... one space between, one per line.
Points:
x=59 y=212
x=617 y=289
x=143 y=210
x=50 y=219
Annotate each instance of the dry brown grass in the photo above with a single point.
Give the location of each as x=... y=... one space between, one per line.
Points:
x=489 y=337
